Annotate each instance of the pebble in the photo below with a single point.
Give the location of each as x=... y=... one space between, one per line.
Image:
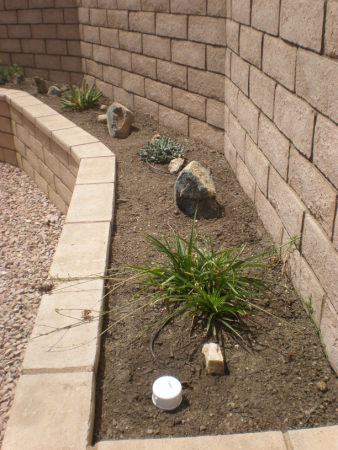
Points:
x=27 y=246
x=321 y=386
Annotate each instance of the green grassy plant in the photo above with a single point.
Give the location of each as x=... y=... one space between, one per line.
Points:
x=161 y=151
x=217 y=287
x=10 y=73
x=81 y=98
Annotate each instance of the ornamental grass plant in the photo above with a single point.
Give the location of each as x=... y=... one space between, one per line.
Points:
x=81 y=98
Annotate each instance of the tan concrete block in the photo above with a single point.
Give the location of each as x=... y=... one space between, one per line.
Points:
x=158 y=47
x=73 y=346
x=312 y=187
x=5 y=125
x=41 y=183
x=231 y=95
x=155 y=5
x=91 y=203
x=46 y=174
x=27 y=168
x=124 y=97
x=67 y=177
x=321 y=255
x=188 y=53
x=59 y=153
x=215 y=113
x=94 y=69
x=72 y=137
x=191 y=104
x=19 y=146
x=230 y=153
x=325 y=155
x=206 y=83
x=217 y=8
x=250 y=45
x=173 y=74
x=18 y=102
x=4 y=109
x=113 y=75
x=245 y=179
x=241 y=11
x=63 y=191
x=314 y=438
x=317 y=82
x=91 y=34
x=143 y=22
x=240 y=73
x=130 y=41
x=133 y=83
x=98 y=17
x=188 y=7
x=96 y=170
x=143 y=65
x=237 y=135
x=32 y=159
x=117 y=19
x=7 y=141
x=302 y=22
x=129 y=4
x=279 y=61
x=171 y=25
x=262 y=91
x=146 y=106
x=331 y=29
x=295 y=118
x=216 y=30
x=43 y=413
x=211 y=136
x=247 y=115
x=232 y=35
x=33 y=111
x=275 y=146
x=158 y=92
x=257 y=164
x=101 y=54
x=108 y=37
x=10 y=157
x=287 y=204
x=173 y=119
x=216 y=59
x=105 y=88
x=265 y=15
x=329 y=326
x=52 y=162
x=272 y=440
x=82 y=250
x=269 y=217
x=57 y=200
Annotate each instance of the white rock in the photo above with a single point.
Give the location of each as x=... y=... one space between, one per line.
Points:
x=102 y=118
x=103 y=108
x=213 y=359
x=176 y=165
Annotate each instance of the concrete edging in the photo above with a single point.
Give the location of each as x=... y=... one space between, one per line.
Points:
x=55 y=396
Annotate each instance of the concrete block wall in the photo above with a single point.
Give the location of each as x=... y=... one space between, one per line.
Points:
x=281 y=114
x=163 y=58
x=42 y=36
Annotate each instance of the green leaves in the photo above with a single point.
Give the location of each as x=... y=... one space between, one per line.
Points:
x=81 y=98
x=215 y=286
x=8 y=73
x=161 y=151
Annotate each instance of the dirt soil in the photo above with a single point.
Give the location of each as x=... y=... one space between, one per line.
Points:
x=281 y=380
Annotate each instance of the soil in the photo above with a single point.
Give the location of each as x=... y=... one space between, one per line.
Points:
x=272 y=381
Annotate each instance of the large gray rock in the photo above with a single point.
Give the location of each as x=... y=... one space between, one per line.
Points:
x=119 y=120
x=195 y=191
x=41 y=84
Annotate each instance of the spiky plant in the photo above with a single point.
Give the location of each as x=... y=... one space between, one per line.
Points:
x=81 y=98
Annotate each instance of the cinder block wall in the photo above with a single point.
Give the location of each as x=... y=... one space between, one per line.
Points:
x=42 y=36
x=281 y=114
x=165 y=58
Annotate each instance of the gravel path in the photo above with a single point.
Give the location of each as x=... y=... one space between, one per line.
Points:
x=30 y=227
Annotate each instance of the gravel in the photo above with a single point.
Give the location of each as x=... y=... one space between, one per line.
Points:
x=30 y=226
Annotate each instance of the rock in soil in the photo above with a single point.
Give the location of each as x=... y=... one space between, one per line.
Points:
x=195 y=192
x=119 y=121
x=176 y=165
x=213 y=359
x=54 y=90
x=102 y=118
x=41 y=84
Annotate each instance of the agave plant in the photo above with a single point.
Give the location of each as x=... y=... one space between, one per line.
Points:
x=81 y=98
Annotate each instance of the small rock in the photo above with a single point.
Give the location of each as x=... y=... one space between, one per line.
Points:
x=41 y=85
x=213 y=359
x=203 y=428
x=64 y=88
x=54 y=90
x=195 y=191
x=119 y=120
x=103 y=108
x=321 y=386
x=156 y=137
x=102 y=118
x=176 y=165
